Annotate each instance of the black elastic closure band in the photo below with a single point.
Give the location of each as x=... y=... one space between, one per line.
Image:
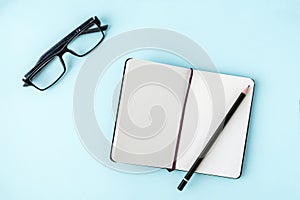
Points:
x=181 y=121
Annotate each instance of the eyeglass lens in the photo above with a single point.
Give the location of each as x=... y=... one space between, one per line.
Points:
x=50 y=72
x=85 y=42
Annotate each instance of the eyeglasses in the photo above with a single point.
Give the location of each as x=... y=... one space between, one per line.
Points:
x=51 y=67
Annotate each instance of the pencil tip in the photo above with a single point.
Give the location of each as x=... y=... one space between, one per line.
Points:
x=245 y=91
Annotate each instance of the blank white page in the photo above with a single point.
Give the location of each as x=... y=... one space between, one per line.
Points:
x=149 y=113
x=208 y=108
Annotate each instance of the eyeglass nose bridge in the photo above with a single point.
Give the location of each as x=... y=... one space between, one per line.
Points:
x=73 y=52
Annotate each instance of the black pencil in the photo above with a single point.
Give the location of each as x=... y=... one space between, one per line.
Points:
x=213 y=139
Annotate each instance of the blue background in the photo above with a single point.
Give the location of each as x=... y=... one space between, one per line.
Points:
x=41 y=154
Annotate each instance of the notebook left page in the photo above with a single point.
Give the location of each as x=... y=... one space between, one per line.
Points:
x=149 y=113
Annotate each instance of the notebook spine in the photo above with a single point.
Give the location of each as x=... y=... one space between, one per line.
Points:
x=181 y=121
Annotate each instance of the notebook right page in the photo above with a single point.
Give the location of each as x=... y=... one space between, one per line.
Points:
x=211 y=96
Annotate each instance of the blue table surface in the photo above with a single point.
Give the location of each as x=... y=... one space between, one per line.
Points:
x=41 y=154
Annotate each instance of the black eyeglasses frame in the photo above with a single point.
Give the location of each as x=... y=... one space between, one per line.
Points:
x=60 y=48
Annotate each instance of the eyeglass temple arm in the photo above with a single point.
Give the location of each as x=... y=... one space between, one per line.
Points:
x=94 y=30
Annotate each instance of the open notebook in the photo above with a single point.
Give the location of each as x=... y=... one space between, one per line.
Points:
x=166 y=114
